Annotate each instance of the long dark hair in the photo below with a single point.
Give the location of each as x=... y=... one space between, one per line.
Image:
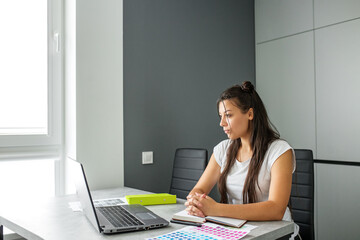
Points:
x=262 y=134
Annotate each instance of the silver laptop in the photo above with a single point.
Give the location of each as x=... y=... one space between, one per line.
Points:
x=113 y=219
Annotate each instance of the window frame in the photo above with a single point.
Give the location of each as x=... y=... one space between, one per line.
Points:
x=46 y=146
x=55 y=88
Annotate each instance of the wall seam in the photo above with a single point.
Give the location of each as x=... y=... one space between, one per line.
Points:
x=314 y=54
x=337 y=23
x=310 y=30
x=315 y=119
x=291 y=35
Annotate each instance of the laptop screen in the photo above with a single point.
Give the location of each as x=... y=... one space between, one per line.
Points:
x=83 y=192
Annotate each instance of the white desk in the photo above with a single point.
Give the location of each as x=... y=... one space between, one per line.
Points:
x=52 y=219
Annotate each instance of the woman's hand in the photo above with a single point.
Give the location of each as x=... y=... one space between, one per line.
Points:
x=201 y=205
x=192 y=205
x=206 y=182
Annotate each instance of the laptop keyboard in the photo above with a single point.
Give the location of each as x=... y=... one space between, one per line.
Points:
x=119 y=217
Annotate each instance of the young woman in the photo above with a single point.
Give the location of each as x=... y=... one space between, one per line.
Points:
x=253 y=168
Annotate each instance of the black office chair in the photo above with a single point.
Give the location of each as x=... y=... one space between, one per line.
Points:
x=302 y=193
x=189 y=164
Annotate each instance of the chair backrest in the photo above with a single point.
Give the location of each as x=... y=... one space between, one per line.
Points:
x=302 y=193
x=189 y=164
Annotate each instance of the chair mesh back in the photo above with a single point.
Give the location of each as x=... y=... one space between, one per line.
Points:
x=189 y=164
x=302 y=193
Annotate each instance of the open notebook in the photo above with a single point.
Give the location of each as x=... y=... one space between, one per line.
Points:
x=232 y=222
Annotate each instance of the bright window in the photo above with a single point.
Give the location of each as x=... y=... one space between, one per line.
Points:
x=19 y=179
x=24 y=67
x=30 y=97
x=24 y=179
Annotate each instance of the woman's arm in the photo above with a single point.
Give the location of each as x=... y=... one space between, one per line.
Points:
x=273 y=209
x=208 y=179
x=206 y=182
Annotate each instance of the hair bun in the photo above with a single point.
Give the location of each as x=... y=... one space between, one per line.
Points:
x=247 y=87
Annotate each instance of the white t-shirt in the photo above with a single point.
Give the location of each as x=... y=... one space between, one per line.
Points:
x=237 y=175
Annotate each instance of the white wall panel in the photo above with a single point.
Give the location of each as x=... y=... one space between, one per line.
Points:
x=338 y=91
x=279 y=18
x=333 y=11
x=285 y=82
x=99 y=91
x=337 y=202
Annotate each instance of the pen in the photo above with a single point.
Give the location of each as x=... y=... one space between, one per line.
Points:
x=186 y=223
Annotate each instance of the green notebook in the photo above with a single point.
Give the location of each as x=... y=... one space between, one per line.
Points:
x=151 y=199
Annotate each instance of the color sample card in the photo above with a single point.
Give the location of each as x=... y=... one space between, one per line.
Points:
x=108 y=202
x=205 y=232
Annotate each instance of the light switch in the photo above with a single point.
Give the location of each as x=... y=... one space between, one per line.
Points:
x=147 y=158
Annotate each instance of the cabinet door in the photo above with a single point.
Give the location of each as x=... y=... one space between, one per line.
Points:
x=279 y=18
x=285 y=82
x=337 y=205
x=328 y=12
x=337 y=52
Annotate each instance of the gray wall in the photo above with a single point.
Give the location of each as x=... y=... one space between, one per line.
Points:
x=178 y=57
x=307 y=68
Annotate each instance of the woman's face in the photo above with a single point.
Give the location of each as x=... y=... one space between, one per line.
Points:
x=234 y=122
